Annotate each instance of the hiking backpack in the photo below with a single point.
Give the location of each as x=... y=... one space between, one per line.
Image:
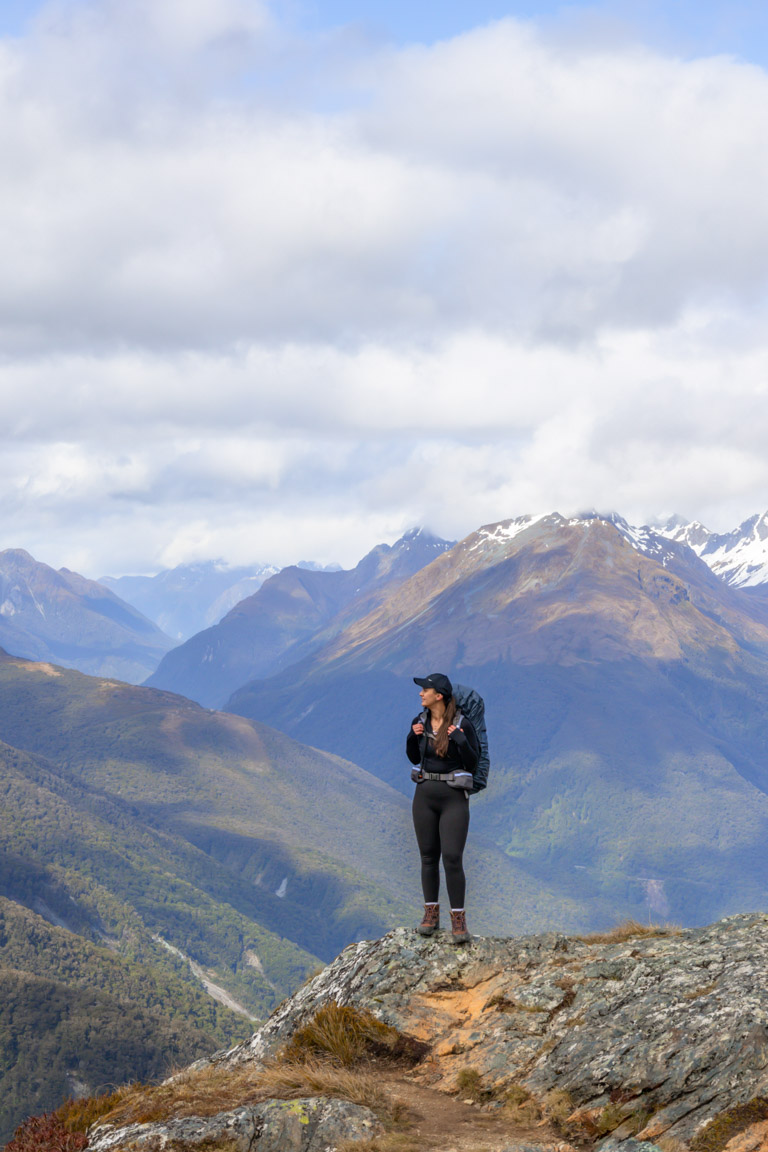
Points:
x=471 y=704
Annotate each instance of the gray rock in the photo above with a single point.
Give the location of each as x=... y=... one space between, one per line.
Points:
x=530 y=1148
x=674 y=1027
x=628 y=1145
x=313 y=1124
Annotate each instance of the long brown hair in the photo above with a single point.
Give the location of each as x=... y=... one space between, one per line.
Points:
x=441 y=736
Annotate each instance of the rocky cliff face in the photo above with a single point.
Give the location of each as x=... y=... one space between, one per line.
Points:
x=640 y=1036
x=671 y=1029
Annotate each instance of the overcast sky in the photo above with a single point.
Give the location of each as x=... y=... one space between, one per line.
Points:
x=278 y=281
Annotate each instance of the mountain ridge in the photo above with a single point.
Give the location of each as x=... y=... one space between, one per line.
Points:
x=286 y=617
x=64 y=617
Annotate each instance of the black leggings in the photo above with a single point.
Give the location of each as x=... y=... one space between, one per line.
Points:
x=441 y=820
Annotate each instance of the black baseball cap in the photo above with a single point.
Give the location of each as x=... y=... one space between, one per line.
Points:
x=436 y=680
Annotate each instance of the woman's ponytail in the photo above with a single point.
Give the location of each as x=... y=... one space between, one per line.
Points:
x=441 y=736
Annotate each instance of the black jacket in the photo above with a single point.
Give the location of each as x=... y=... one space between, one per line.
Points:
x=462 y=755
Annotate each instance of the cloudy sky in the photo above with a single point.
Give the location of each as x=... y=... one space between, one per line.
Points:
x=280 y=280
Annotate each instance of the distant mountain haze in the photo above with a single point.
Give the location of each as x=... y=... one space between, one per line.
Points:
x=185 y=599
x=627 y=692
x=291 y=613
x=66 y=618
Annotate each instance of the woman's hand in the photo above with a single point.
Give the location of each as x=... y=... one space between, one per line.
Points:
x=417 y=728
x=460 y=738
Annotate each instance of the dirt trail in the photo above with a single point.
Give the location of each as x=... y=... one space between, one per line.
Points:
x=452 y=1125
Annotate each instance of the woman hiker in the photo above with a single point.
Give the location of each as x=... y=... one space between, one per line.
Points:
x=446 y=756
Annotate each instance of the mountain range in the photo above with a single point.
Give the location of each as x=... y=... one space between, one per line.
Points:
x=63 y=617
x=292 y=613
x=627 y=696
x=740 y=557
x=153 y=852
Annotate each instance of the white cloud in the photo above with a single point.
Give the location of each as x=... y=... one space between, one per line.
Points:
x=508 y=273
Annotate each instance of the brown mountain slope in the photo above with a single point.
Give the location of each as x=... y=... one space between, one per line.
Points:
x=626 y=690
x=559 y=592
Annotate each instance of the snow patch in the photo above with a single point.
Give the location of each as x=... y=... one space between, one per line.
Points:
x=506 y=530
x=281 y=891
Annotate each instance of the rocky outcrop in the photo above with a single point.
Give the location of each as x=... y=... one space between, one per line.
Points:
x=309 y=1125
x=644 y=1036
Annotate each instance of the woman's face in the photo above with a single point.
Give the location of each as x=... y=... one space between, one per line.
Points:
x=429 y=697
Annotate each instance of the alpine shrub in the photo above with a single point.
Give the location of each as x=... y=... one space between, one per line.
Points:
x=45 y=1134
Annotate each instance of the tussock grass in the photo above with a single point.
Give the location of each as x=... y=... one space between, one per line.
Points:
x=389 y=1142
x=45 y=1134
x=611 y=1118
x=469 y=1085
x=630 y=930
x=504 y=1003
x=206 y=1091
x=79 y=1115
x=521 y=1105
x=349 y=1037
x=696 y=993
x=338 y=1053
x=558 y=1106
x=670 y=1144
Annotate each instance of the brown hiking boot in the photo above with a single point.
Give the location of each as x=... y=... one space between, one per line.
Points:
x=459 y=933
x=431 y=921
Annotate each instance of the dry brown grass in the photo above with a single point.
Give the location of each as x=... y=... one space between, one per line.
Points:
x=389 y=1142
x=469 y=1085
x=630 y=930
x=558 y=1106
x=696 y=993
x=504 y=1003
x=521 y=1105
x=339 y=1053
x=670 y=1144
x=206 y=1091
x=79 y=1115
x=350 y=1037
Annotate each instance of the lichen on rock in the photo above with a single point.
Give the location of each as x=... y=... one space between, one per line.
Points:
x=313 y=1124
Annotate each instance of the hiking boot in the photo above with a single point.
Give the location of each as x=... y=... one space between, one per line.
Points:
x=431 y=921
x=459 y=933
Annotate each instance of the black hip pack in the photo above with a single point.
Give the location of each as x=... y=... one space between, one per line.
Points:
x=462 y=780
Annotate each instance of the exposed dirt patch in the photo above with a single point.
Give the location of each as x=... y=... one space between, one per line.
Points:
x=437 y=1120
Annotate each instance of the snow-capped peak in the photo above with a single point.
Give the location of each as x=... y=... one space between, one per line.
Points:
x=739 y=557
x=503 y=531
